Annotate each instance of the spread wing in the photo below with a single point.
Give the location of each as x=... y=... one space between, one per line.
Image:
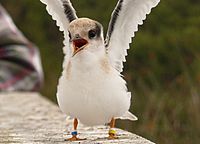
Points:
x=126 y=17
x=63 y=13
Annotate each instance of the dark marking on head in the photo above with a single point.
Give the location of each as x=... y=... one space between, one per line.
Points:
x=98 y=29
x=69 y=11
x=113 y=20
x=96 y=32
x=70 y=36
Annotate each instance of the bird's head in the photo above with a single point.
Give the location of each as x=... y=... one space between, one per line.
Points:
x=85 y=35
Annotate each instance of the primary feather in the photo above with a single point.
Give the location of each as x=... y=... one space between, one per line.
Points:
x=125 y=19
x=63 y=13
x=56 y=8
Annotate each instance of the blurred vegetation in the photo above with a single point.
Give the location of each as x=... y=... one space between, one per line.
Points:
x=162 y=69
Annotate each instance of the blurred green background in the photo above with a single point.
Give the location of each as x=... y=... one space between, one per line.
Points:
x=162 y=69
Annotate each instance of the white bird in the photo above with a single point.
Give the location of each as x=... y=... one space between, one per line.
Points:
x=91 y=88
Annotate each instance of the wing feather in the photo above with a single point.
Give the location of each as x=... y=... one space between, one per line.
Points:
x=63 y=13
x=126 y=17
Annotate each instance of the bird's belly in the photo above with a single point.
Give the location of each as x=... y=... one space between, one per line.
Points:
x=93 y=97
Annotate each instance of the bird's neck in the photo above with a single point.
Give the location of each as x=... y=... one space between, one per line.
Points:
x=87 y=60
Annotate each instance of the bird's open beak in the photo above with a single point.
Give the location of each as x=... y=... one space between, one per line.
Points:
x=79 y=44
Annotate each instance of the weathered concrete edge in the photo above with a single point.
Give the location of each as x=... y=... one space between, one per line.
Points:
x=30 y=118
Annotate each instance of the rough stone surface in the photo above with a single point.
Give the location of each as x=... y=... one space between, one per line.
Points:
x=28 y=118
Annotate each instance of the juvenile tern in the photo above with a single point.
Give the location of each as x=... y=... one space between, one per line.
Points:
x=91 y=88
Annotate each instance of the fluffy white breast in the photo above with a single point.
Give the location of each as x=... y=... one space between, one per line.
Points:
x=91 y=90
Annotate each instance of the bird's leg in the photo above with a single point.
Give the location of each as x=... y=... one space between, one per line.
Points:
x=112 y=131
x=75 y=133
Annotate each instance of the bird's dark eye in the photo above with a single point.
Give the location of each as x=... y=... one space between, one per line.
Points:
x=70 y=36
x=92 y=34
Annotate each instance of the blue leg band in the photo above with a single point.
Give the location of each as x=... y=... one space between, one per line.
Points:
x=74 y=133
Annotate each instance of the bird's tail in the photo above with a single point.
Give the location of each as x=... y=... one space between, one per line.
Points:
x=128 y=115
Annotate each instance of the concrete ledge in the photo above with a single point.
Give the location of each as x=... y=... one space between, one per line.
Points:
x=30 y=118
